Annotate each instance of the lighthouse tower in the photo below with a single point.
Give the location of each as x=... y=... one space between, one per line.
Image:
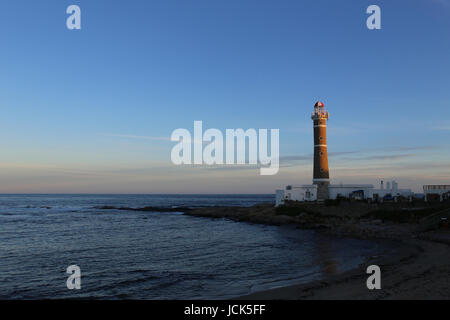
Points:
x=321 y=173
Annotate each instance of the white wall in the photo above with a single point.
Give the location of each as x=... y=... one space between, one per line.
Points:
x=302 y=193
x=279 y=198
x=345 y=190
x=395 y=193
x=296 y=193
x=436 y=189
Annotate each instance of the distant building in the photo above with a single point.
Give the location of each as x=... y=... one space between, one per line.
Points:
x=391 y=190
x=439 y=191
x=354 y=191
x=303 y=192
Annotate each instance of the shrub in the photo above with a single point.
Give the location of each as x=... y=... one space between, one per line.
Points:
x=292 y=211
x=331 y=202
x=402 y=216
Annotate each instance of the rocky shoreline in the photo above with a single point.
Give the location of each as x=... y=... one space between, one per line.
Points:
x=358 y=220
x=420 y=268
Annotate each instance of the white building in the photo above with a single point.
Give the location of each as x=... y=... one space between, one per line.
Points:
x=391 y=190
x=301 y=192
x=356 y=191
x=308 y=192
x=443 y=191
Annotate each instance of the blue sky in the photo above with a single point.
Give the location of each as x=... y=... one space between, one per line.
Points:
x=90 y=110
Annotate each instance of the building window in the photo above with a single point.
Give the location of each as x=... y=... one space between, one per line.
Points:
x=321 y=153
x=320 y=138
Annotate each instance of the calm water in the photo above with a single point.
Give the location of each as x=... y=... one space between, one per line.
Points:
x=145 y=255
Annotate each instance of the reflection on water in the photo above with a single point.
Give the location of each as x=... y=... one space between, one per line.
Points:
x=324 y=257
x=147 y=255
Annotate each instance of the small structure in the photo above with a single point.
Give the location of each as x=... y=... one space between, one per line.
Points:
x=351 y=191
x=309 y=192
x=300 y=192
x=391 y=191
x=441 y=191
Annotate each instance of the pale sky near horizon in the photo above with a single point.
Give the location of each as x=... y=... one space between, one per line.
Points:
x=92 y=110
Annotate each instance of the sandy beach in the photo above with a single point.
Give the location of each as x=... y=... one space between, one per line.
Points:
x=420 y=268
x=420 y=271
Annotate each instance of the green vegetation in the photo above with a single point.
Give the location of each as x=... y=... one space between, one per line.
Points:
x=402 y=215
x=293 y=211
x=332 y=202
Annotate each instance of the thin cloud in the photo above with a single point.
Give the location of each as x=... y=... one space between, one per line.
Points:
x=387 y=157
x=296 y=158
x=131 y=136
x=442 y=128
x=411 y=148
x=384 y=149
x=445 y=3
x=291 y=161
x=340 y=153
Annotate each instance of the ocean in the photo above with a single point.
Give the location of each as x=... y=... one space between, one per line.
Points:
x=152 y=255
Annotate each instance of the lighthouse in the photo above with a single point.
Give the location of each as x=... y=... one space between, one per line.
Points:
x=321 y=176
x=321 y=189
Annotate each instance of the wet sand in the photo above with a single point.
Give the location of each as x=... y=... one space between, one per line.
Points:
x=419 y=269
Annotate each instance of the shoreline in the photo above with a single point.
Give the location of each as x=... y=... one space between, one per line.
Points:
x=418 y=269
x=353 y=282
x=419 y=272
